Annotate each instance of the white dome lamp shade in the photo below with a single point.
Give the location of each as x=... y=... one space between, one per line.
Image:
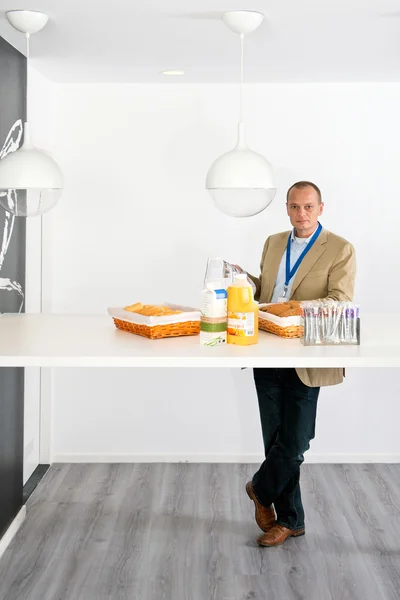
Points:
x=241 y=182
x=31 y=182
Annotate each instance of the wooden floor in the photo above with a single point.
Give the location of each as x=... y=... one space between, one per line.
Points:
x=187 y=532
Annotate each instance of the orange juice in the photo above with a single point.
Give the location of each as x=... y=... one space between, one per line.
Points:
x=242 y=313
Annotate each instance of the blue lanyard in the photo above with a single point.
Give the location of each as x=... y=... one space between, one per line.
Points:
x=291 y=273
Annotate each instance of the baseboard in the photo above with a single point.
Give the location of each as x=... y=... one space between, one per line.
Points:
x=337 y=458
x=12 y=530
x=34 y=481
x=219 y=458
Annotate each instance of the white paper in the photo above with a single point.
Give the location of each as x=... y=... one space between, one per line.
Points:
x=280 y=321
x=187 y=314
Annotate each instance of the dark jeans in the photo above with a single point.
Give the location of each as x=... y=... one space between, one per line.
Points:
x=288 y=410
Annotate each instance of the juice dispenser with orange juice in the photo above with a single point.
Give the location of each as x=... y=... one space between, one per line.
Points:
x=242 y=313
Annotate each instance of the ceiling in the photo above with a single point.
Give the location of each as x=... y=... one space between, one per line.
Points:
x=132 y=41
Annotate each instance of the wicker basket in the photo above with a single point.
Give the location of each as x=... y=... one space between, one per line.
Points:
x=155 y=332
x=286 y=327
x=293 y=331
x=187 y=322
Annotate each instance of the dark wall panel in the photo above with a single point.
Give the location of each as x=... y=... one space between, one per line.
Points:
x=12 y=286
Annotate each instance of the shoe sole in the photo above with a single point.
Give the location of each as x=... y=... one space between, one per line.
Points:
x=294 y=534
x=254 y=499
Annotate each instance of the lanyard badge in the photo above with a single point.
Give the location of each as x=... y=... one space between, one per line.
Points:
x=290 y=273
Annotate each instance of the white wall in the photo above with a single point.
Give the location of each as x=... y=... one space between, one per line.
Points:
x=135 y=223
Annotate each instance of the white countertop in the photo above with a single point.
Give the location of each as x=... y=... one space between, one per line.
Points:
x=93 y=341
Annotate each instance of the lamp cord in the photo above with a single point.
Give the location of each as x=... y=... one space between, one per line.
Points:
x=28 y=35
x=241 y=74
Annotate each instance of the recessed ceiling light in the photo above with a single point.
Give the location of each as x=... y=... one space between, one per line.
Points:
x=173 y=72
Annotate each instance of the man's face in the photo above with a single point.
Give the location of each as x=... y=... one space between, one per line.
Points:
x=304 y=209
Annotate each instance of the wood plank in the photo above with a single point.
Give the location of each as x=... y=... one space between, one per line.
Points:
x=187 y=532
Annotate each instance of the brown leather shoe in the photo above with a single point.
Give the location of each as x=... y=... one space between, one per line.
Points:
x=277 y=535
x=265 y=516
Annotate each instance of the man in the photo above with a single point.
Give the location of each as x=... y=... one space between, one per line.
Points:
x=322 y=266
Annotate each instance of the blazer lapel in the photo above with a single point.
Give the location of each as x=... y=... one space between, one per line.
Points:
x=276 y=252
x=309 y=260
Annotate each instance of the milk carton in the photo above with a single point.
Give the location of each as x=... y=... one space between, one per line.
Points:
x=213 y=315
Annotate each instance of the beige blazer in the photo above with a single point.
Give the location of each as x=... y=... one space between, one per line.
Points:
x=327 y=272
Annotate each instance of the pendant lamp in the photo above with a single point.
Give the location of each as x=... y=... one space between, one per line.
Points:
x=241 y=182
x=30 y=180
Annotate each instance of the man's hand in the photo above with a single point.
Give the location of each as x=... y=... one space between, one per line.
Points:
x=238 y=268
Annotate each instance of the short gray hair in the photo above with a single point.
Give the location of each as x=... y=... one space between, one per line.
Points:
x=299 y=185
